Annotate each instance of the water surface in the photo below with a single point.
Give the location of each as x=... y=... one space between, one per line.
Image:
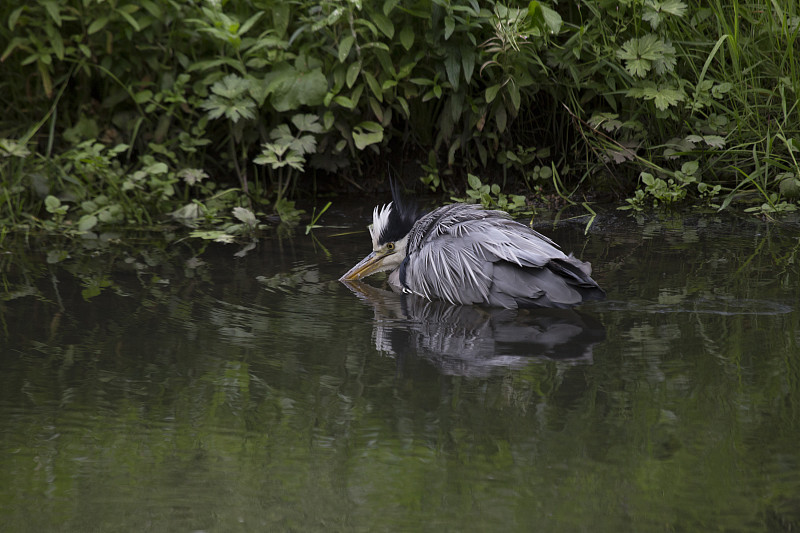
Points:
x=172 y=385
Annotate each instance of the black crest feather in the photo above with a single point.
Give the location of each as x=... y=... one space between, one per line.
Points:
x=402 y=217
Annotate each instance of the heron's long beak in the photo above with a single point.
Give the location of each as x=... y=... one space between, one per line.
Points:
x=369 y=265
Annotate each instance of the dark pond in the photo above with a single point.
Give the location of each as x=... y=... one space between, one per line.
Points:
x=173 y=385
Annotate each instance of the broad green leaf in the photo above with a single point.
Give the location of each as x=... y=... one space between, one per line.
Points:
x=639 y=55
x=344 y=102
x=15 y=42
x=552 y=19
x=151 y=8
x=376 y=109
x=655 y=9
x=52 y=203
x=513 y=92
x=249 y=23
x=663 y=97
x=142 y=96
x=291 y=88
x=384 y=24
x=328 y=119
x=407 y=37
x=344 y=47
x=307 y=122
x=51 y=6
x=714 y=141
x=97 y=25
x=474 y=181
x=55 y=40
x=305 y=144
x=132 y=21
x=367 y=133
x=790 y=187
x=374 y=86
x=246 y=216
x=369 y=25
x=385 y=59
x=467 y=61
x=543 y=18
x=449 y=26
x=453 y=67
x=404 y=104
x=491 y=93
x=352 y=73
x=718 y=91
x=14 y=16
x=690 y=168
x=87 y=222
x=501 y=118
x=389 y=5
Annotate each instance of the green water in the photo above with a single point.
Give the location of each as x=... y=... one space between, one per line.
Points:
x=174 y=386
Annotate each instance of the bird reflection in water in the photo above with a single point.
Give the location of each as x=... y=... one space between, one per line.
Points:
x=470 y=340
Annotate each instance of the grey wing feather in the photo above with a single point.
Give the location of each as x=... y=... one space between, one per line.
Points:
x=464 y=254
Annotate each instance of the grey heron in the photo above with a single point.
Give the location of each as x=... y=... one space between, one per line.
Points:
x=464 y=254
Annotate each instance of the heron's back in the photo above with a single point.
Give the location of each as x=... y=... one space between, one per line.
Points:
x=467 y=255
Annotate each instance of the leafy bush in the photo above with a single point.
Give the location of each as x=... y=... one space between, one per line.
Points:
x=135 y=101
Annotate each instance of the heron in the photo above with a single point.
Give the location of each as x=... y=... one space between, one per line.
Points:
x=465 y=254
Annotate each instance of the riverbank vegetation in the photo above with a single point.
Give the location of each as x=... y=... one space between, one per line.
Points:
x=222 y=115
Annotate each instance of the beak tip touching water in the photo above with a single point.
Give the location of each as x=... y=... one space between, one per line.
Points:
x=363 y=268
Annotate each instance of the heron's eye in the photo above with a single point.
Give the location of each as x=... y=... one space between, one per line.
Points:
x=390 y=246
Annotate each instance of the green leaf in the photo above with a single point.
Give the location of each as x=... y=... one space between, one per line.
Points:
x=790 y=187
x=404 y=104
x=305 y=144
x=249 y=23
x=384 y=24
x=407 y=37
x=453 y=67
x=491 y=93
x=552 y=19
x=12 y=19
x=474 y=181
x=55 y=40
x=387 y=8
x=663 y=97
x=654 y=9
x=352 y=73
x=467 y=61
x=291 y=88
x=87 y=222
x=690 y=168
x=132 y=21
x=513 y=92
x=51 y=6
x=142 y=96
x=151 y=8
x=97 y=25
x=501 y=118
x=374 y=86
x=344 y=47
x=449 y=26
x=246 y=216
x=344 y=102
x=640 y=55
x=367 y=133
x=307 y=122
x=52 y=203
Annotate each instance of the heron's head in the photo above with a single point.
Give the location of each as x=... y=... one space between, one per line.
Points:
x=389 y=230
